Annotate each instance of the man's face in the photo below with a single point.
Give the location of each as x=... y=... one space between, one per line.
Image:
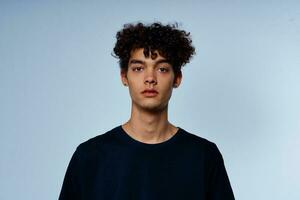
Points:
x=150 y=74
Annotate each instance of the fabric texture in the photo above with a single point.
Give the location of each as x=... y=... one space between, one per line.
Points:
x=115 y=166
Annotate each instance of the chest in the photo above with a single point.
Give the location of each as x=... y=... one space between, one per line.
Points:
x=145 y=175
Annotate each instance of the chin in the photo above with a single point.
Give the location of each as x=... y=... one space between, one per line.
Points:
x=153 y=107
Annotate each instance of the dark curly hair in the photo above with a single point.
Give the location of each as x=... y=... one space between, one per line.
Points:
x=170 y=42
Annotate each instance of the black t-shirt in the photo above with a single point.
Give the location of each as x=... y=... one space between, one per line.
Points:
x=115 y=166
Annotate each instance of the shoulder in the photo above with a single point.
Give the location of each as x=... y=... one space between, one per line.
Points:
x=97 y=143
x=203 y=145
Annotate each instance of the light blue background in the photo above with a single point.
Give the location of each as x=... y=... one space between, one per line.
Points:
x=60 y=86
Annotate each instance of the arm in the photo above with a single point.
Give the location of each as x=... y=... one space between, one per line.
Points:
x=219 y=184
x=70 y=189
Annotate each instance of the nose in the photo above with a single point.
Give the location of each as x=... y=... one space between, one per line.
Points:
x=150 y=78
x=150 y=81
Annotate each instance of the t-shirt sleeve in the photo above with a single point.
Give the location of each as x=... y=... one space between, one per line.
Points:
x=70 y=188
x=219 y=184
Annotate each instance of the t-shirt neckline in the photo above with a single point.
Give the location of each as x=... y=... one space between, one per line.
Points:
x=126 y=137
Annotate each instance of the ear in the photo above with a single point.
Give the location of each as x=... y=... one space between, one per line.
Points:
x=177 y=80
x=123 y=74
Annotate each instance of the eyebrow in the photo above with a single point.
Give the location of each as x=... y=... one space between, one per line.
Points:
x=163 y=61
x=135 y=61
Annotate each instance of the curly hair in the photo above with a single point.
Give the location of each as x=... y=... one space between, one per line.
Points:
x=170 y=42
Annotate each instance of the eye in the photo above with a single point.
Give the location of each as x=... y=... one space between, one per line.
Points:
x=163 y=69
x=137 y=69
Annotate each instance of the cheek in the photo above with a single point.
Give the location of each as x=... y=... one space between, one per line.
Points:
x=134 y=89
x=166 y=83
x=167 y=89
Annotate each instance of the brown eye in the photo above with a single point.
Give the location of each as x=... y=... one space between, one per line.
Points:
x=137 y=69
x=163 y=69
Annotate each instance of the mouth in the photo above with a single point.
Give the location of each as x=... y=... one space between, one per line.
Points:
x=150 y=93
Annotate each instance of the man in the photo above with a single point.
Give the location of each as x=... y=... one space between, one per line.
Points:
x=148 y=158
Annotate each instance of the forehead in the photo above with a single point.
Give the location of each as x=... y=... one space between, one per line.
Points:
x=139 y=54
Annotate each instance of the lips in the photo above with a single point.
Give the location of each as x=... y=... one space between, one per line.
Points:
x=150 y=91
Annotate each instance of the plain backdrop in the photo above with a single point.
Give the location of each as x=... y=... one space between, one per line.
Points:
x=60 y=86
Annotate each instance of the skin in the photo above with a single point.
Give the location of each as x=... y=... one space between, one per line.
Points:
x=148 y=122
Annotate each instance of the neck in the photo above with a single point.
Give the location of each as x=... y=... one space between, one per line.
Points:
x=149 y=127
